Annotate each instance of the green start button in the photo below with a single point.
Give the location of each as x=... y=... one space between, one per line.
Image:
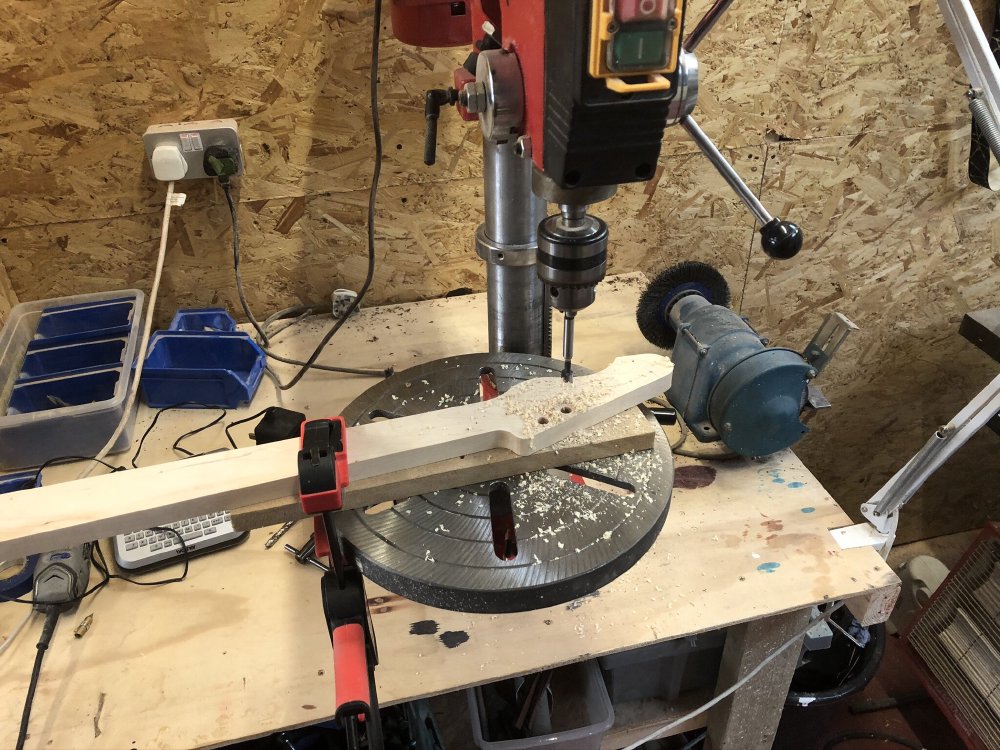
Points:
x=640 y=49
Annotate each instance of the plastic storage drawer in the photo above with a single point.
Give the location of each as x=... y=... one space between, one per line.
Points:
x=581 y=712
x=65 y=369
x=214 y=369
x=203 y=319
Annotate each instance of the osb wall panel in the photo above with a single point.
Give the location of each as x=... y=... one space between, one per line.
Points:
x=847 y=115
x=904 y=247
x=7 y=297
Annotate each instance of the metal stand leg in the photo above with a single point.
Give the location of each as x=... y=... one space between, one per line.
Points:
x=748 y=719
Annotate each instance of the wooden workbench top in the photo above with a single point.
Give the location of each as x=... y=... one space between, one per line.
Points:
x=240 y=649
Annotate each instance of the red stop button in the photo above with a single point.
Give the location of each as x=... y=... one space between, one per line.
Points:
x=628 y=11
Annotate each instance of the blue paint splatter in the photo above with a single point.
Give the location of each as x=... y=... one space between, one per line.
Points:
x=768 y=567
x=776 y=477
x=795 y=485
x=809 y=509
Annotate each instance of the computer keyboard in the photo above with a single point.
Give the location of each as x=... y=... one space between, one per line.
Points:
x=141 y=549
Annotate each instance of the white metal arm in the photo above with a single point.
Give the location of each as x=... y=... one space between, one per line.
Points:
x=882 y=510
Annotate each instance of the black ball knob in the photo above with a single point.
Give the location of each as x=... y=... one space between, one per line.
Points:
x=781 y=240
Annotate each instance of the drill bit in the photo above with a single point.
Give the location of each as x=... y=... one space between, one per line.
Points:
x=568 y=319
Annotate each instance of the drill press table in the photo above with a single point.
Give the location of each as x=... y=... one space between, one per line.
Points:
x=239 y=649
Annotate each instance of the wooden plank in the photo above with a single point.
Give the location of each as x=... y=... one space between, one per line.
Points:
x=873 y=607
x=624 y=432
x=748 y=719
x=530 y=416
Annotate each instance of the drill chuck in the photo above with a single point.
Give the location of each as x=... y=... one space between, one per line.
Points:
x=572 y=258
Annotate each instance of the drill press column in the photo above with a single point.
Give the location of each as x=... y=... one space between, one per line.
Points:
x=519 y=313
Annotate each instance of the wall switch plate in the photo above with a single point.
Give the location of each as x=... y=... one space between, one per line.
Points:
x=180 y=150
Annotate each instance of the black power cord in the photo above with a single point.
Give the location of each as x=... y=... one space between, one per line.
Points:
x=51 y=618
x=176 y=445
x=310 y=363
x=53 y=610
x=227 y=191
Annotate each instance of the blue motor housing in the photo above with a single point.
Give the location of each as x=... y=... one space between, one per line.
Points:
x=729 y=385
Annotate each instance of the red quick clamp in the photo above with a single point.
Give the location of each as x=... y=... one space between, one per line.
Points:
x=323 y=464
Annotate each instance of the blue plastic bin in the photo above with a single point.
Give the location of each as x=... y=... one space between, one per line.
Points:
x=203 y=319
x=21 y=480
x=215 y=369
x=58 y=393
x=60 y=325
x=58 y=360
x=20 y=584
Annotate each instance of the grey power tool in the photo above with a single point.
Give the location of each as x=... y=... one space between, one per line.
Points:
x=61 y=577
x=728 y=384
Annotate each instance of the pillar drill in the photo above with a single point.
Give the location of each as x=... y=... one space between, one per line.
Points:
x=572 y=97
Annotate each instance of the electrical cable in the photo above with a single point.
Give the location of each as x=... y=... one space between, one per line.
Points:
x=171 y=200
x=372 y=196
x=264 y=339
x=101 y=564
x=191 y=433
x=227 y=191
x=176 y=445
x=16 y=631
x=71 y=459
x=242 y=421
x=51 y=618
x=739 y=683
x=848 y=736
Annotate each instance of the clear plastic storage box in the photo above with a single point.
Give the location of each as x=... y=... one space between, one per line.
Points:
x=65 y=370
x=579 y=716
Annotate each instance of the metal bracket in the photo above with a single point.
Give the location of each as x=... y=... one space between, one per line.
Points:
x=832 y=333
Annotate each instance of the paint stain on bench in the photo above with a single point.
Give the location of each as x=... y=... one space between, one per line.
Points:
x=424 y=627
x=693 y=477
x=453 y=638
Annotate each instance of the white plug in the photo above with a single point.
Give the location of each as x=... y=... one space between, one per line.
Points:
x=168 y=162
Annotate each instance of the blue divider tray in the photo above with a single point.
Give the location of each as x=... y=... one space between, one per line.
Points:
x=211 y=368
x=203 y=319
x=78 y=322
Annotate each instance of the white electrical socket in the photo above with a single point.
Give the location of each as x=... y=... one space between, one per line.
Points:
x=179 y=150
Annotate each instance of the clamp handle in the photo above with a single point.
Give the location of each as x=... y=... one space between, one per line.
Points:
x=350 y=671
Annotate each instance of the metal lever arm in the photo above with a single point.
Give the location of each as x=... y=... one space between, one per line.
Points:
x=433 y=101
x=779 y=239
x=706 y=24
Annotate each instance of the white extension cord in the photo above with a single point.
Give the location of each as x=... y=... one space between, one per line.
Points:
x=739 y=683
x=172 y=199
